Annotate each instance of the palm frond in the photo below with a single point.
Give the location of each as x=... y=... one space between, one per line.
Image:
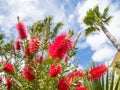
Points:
x=90 y=13
x=105 y=12
x=89 y=21
x=89 y=18
x=97 y=12
x=90 y=30
x=107 y=20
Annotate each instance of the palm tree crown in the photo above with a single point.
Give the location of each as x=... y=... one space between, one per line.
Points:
x=96 y=21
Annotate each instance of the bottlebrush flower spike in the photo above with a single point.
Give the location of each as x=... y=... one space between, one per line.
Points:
x=8 y=83
x=80 y=87
x=40 y=59
x=8 y=67
x=78 y=73
x=34 y=44
x=97 y=72
x=64 y=84
x=66 y=58
x=26 y=52
x=0 y=79
x=71 y=75
x=28 y=73
x=21 y=30
x=55 y=70
x=59 y=47
x=17 y=45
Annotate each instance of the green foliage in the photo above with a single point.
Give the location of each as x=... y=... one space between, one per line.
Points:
x=44 y=30
x=55 y=29
x=40 y=29
x=107 y=20
x=94 y=19
x=117 y=64
x=105 y=12
x=107 y=82
x=36 y=29
x=90 y=30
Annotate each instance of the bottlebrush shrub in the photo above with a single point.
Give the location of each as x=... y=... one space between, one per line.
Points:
x=42 y=61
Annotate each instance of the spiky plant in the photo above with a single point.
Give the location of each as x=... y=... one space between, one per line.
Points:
x=109 y=81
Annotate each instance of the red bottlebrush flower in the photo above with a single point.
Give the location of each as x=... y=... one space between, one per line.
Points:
x=80 y=87
x=55 y=70
x=34 y=44
x=78 y=73
x=17 y=45
x=0 y=79
x=97 y=72
x=28 y=73
x=21 y=30
x=59 y=47
x=8 y=83
x=40 y=59
x=8 y=67
x=71 y=75
x=64 y=84
x=66 y=58
x=26 y=52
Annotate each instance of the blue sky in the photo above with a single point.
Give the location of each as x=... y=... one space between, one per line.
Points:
x=95 y=47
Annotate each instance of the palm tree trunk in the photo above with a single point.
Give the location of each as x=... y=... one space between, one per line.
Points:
x=110 y=37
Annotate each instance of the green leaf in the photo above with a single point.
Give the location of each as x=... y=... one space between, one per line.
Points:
x=105 y=12
x=89 y=18
x=90 y=13
x=103 y=84
x=97 y=13
x=90 y=30
x=1 y=36
x=107 y=20
x=117 y=84
x=107 y=81
x=112 y=81
x=56 y=29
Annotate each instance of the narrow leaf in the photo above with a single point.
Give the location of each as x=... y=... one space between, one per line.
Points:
x=112 y=81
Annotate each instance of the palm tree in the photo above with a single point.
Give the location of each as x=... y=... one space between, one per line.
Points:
x=96 y=21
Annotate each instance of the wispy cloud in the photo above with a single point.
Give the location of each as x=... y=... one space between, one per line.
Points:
x=29 y=11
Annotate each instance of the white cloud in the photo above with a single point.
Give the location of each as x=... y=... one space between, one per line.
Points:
x=98 y=41
x=82 y=45
x=103 y=54
x=1 y=19
x=29 y=11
